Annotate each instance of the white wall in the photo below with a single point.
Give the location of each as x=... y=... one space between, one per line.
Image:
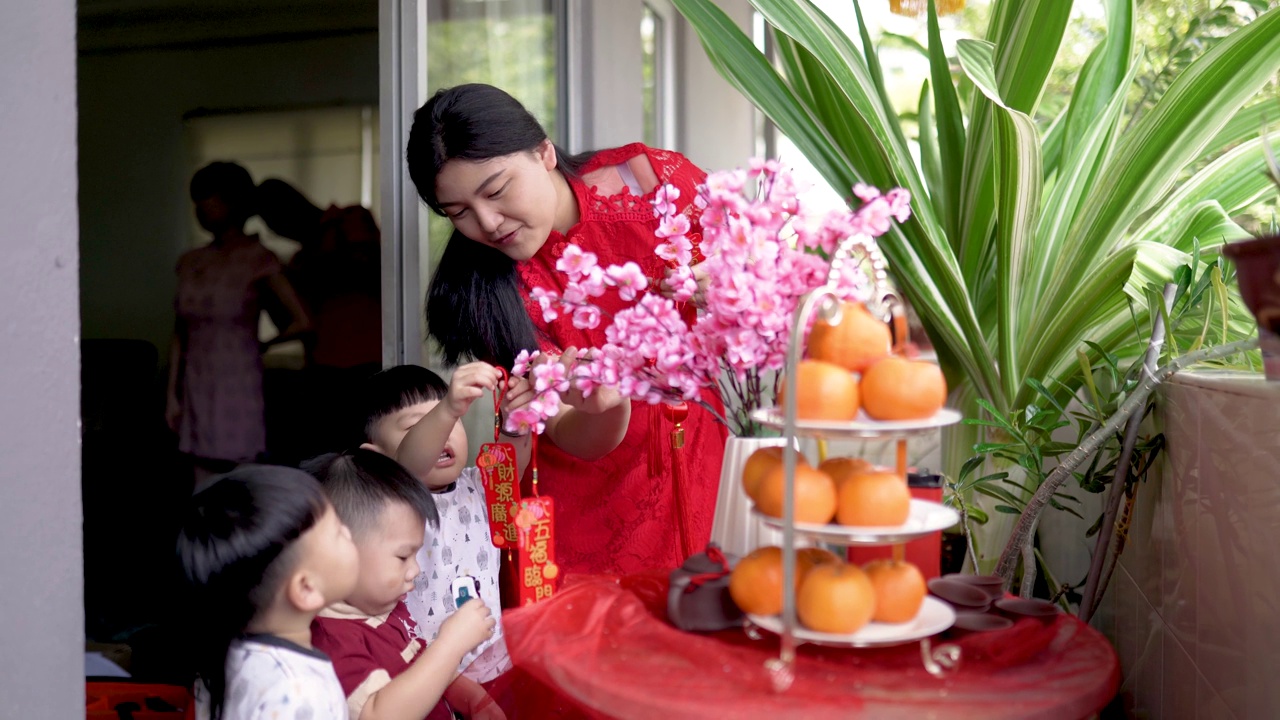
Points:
x=133 y=162
x=715 y=123
x=42 y=591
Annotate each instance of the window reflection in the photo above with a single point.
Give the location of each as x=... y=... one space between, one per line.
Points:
x=651 y=70
x=507 y=43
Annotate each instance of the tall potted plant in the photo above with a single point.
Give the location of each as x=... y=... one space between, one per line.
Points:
x=1026 y=238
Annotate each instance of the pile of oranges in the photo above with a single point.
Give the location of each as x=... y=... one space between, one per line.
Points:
x=846 y=490
x=850 y=367
x=832 y=596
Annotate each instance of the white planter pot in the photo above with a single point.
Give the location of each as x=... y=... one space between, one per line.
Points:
x=735 y=529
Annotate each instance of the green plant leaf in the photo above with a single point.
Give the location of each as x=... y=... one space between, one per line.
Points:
x=997 y=492
x=1086 y=156
x=930 y=160
x=1109 y=70
x=1233 y=181
x=1018 y=177
x=1027 y=35
x=1146 y=164
x=950 y=129
x=738 y=60
x=877 y=78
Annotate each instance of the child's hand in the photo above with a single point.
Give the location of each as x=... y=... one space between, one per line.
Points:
x=471 y=625
x=468 y=383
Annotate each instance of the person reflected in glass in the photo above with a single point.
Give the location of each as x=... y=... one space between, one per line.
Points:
x=215 y=398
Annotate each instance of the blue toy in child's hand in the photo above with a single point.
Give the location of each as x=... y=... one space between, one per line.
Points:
x=465 y=588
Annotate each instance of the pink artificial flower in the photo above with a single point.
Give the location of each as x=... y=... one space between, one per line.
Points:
x=586 y=317
x=677 y=249
x=593 y=282
x=628 y=278
x=672 y=226
x=550 y=376
x=664 y=200
x=876 y=215
x=574 y=262
x=547 y=300
x=524 y=360
x=865 y=193
x=899 y=203
x=761 y=257
x=681 y=284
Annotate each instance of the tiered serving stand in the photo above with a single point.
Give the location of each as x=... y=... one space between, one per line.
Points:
x=925 y=517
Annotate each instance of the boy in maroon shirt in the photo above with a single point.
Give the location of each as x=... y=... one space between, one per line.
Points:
x=386 y=671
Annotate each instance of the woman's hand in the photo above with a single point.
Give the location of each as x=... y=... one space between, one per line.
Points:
x=519 y=393
x=601 y=399
x=700 y=275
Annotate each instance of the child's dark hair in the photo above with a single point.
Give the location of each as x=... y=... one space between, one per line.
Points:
x=236 y=548
x=361 y=483
x=396 y=388
x=473 y=306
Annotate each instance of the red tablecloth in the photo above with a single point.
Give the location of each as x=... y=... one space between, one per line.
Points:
x=604 y=644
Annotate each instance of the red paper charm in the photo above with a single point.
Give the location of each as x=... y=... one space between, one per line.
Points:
x=535 y=532
x=497 y=465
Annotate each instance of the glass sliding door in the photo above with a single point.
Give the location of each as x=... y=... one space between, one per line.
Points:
x=426 y=45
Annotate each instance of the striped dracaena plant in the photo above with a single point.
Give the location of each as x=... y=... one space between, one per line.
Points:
x=1027 y=238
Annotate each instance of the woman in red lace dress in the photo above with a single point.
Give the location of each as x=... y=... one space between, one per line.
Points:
x=516 y=201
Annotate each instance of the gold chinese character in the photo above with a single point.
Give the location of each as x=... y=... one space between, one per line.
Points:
x=498 y=512
x=544 y=591
x=503 y=491
x=509 y=532
x=532 y=576
x=538 y=553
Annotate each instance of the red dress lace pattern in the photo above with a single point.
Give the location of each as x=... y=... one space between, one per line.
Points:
x=614 y=515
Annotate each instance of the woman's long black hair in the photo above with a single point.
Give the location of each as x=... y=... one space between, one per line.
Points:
x=236 y=550
x=474 y=307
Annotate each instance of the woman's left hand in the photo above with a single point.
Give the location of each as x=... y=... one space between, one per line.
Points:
x=601 y=398
x=519 y=393
x=700 y=275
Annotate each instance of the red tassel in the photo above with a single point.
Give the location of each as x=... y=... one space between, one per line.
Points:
x=679 y=477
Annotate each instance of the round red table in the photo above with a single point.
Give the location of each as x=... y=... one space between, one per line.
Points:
x=601 y=648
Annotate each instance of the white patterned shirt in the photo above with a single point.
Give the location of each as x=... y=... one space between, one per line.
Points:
x=462 y=546
x=269 y=678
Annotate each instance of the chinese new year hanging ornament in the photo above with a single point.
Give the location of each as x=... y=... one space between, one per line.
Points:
x=497 y=464
x=536 y=570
